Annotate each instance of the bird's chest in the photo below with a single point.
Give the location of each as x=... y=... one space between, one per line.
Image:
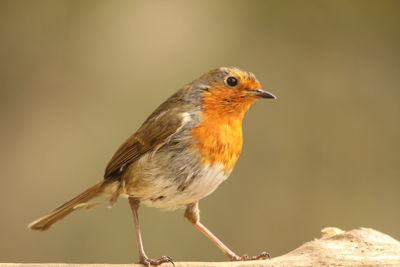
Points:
x=182 y=186
x=219 y=142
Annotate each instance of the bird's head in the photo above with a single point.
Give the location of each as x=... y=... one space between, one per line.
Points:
x=230 y=91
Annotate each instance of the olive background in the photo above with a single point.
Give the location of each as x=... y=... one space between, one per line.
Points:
x=78 y=77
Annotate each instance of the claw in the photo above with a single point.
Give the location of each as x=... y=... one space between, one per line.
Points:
x=265 y=255
x=245 y=257
x=155 y=262
x=169 y=259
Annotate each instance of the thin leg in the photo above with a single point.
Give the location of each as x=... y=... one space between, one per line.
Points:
x=216 y=240
x=143 y=259
x=192 y=213
x=134 y=203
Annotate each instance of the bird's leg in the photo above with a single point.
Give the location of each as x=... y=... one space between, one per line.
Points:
x=192 y=213
x=143 y=259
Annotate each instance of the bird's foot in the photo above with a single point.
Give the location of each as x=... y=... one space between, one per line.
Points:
x=155 y=262
x=262 y=256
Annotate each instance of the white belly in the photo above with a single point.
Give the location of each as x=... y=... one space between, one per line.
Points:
x=166 y=194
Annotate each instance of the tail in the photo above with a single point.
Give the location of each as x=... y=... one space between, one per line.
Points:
x=77 y=202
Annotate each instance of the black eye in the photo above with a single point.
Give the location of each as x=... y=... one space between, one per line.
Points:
x=232 y=81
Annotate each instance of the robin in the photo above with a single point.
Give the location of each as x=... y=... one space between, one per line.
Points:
x=184 y=150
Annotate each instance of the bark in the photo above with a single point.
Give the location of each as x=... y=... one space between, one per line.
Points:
x=356 y=248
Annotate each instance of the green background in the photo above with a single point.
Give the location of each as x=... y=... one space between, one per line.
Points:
x=78 y=77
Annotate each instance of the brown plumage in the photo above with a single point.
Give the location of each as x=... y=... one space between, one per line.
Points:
x=60 y=212
x=185 y=149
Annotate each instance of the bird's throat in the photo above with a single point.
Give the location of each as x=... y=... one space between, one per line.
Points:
x=219 y=135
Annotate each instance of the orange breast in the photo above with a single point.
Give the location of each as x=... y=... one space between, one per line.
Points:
x=219 y=135
x=219 y=142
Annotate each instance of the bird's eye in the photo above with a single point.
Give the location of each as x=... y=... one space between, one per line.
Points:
x=232 y=81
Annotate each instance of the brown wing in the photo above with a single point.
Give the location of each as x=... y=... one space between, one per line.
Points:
x=155 y=131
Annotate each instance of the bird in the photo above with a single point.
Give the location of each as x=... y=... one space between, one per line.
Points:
x=181 y=153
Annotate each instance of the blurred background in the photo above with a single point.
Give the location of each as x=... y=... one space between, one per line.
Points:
x=78 y=77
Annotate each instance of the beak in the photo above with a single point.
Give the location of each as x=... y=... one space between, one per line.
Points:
x=261 y=93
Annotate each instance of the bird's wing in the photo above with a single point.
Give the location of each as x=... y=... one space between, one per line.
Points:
x=155 y=131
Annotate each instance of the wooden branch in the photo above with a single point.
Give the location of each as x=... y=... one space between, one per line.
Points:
x=356 y=248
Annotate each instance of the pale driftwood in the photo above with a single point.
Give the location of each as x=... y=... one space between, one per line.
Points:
x=356 y=248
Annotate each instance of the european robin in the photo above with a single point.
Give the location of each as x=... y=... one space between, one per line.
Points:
x=184 y=150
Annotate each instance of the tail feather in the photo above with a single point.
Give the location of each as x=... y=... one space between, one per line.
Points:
x=77 y=202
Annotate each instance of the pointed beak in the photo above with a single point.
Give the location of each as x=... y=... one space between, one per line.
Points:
x=261 y=93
